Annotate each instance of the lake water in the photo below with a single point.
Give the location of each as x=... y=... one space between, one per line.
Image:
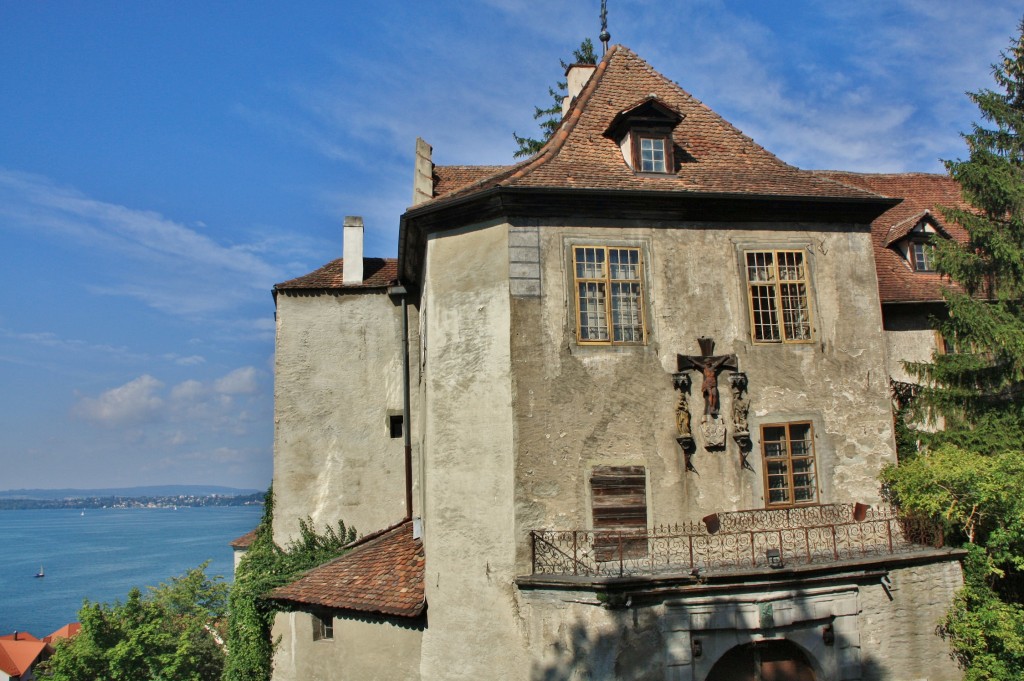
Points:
x=101 y=555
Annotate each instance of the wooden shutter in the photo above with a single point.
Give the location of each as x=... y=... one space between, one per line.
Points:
x=619 y=501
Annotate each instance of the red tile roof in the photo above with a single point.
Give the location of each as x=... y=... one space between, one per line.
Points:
x=377 y=273
x=718 y=158
x=449 y=178
x=923 y=194
x=243 y=542
x=17 y=657
x=67 y=631
x=382 y=573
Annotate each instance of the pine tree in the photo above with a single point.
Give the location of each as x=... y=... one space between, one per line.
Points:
x=978 y=388
x=552 y=115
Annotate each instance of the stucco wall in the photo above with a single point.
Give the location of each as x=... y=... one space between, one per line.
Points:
x=337 y=377
x=910 y=337
x=469 y=536
x=899 y=635
x=360 y=650
x=577 y=406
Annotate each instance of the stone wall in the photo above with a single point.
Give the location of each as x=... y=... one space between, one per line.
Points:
x=898 y=628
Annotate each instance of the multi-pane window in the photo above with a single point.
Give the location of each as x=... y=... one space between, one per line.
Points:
x=778 y=283
x=652 y=151
x=619 y=501
x=788 y=450
x=652 y=154
x=921 y=256
x=323 y=627
x=609 y=294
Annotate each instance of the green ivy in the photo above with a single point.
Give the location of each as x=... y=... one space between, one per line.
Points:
x=265 y=567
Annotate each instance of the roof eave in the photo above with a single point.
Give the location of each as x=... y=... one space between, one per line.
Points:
x=516 y=201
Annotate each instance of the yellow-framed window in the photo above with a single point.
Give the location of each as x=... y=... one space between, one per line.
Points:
x=790 y=477
x=608 y=283
x=777 y=287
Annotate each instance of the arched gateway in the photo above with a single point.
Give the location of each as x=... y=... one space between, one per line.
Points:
x=777 y=660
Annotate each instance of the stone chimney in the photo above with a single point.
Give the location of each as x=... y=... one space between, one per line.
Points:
x=423 y=174
x=576 y=78
x=352 y=272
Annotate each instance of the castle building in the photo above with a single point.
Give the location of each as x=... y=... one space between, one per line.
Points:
x=617 y=411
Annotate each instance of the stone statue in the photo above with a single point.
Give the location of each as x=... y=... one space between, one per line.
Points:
x=683 y=416
x=740 y=403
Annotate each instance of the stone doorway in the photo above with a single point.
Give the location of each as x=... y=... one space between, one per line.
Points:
x=774 y=660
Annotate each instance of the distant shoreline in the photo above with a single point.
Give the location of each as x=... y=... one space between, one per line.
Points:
x=123 y=502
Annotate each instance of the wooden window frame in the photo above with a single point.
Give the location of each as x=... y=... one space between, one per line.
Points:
x=777 y=319
x=323 y=627
x=582 y=278
x=614 y=492
x=926 y=254
x=637 y=135
x=788 y=460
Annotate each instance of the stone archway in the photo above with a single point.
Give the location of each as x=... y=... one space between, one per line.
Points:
x=773 y=660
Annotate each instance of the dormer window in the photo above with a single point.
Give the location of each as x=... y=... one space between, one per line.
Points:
x=921 y=258
x=644 y=134
x=914 y=239
x=655 y=152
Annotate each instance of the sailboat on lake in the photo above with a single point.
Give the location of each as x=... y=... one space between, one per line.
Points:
x=40 y=573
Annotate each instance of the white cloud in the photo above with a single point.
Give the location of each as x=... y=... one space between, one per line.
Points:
x=241 y=381
x=132 y=403
x=162 y=263
x=188 y=391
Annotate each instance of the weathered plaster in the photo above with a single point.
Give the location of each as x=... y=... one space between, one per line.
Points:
x=338 y=374
x=576 y=407
x=900 y=633
x=361 y=650
x=469 y=536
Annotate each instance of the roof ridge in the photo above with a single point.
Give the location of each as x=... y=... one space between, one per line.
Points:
x=569 y=120
x=906 y=173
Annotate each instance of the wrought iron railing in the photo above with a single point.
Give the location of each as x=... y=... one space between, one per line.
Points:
x=734 y=540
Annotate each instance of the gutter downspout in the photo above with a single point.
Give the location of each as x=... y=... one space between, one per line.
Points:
x=395 y=292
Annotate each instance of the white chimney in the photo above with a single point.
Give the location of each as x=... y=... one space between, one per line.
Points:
x=352 y=272
x=576 y=79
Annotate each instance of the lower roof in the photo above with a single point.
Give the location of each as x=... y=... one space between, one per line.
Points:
x=381 y=573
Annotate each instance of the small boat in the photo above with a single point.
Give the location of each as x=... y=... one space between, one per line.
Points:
x=40 y=573
x=83 y=512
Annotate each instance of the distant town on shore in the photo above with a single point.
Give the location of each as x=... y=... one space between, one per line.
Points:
x=168 y=496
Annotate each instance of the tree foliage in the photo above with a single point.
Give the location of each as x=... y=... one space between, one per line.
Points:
x=970 y=473
x=170 y=633
x=977 y=390
x=265 y=567
x=550 y=117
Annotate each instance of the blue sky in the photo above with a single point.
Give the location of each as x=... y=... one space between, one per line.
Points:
x=163 y=164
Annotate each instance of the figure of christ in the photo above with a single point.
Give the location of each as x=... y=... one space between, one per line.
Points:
x=709 y=367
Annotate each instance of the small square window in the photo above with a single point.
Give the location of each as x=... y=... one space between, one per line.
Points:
x=323 y=627
x=652 y=151
x=395 y=425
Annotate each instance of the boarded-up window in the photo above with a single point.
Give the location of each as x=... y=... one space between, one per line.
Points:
x=620 y=511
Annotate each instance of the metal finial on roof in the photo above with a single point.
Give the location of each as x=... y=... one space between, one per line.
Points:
x=605 y=35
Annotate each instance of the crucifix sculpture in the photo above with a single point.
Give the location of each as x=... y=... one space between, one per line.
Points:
x=709 y=365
